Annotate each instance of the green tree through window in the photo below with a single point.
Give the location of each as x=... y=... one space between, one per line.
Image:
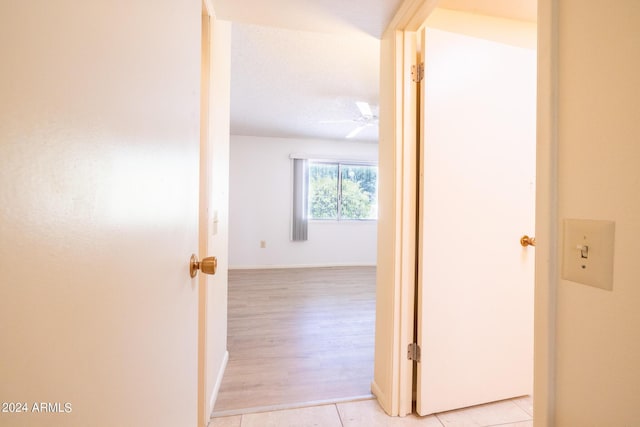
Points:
x=340 y=191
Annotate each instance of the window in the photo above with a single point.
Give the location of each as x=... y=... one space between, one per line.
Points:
x=342 y=191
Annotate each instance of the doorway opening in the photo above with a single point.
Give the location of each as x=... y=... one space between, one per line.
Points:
x=301 y=312
x=477 y=149
x=267 y=241
x=443 y=209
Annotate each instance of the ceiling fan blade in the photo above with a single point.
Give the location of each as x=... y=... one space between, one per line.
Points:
x=356 y=131
x=365 y=109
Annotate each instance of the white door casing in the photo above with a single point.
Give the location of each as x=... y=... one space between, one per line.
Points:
x=395 y=277
x=214 y=208
x=393 y=314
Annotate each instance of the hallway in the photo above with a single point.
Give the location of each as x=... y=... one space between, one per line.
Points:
x=367 y=413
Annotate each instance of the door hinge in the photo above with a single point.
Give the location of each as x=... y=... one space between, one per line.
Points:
x=417 y=72
x=413 y=352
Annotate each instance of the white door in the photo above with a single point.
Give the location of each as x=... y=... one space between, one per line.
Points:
x=475 y=299
x=99 y=212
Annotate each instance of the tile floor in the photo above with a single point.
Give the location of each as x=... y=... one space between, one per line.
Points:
x=367 y=413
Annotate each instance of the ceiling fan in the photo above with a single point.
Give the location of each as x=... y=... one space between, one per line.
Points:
x=366 y=119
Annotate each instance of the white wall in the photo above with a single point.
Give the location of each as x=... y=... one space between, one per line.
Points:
x=598 y=332
x=260 y=207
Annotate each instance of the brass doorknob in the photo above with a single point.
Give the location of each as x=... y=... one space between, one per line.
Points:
x=208 y=265
x=527 y=241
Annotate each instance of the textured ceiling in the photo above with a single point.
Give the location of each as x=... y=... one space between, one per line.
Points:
x=288 y=83
x=297 y=64
x=328 y=16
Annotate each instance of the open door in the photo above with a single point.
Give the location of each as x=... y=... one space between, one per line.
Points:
x=98 y=211
x=477 y=195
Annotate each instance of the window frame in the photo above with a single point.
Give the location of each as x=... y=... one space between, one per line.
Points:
x=340 y=164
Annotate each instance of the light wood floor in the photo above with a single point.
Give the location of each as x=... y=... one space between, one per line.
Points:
x=298 y=336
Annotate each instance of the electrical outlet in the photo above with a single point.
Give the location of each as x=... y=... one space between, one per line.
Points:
x=263 y=244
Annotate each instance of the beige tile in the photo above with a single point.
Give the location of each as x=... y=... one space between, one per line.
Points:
x=490 y=414
x=226 y=421
x=520 y=424
x=526 y=403
x=368 y=413
x=315 y=416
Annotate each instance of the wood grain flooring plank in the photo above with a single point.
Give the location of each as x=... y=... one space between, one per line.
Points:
x=298 y=335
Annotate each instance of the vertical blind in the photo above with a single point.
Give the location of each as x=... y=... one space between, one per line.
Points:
x=299 y=220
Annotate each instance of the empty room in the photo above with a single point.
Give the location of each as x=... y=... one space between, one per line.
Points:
x=303 y=218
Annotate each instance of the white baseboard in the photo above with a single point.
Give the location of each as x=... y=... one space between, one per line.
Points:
x=382 y=399
x=216 y=387
x=273 y=267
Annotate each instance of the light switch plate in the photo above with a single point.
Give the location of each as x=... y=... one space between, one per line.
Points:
x=588 y=252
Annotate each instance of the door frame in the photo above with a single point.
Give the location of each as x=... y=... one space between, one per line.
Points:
x=393 y=373
x=397 y=221
x=546 y=268
x=213 y=355
x=204 y=196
